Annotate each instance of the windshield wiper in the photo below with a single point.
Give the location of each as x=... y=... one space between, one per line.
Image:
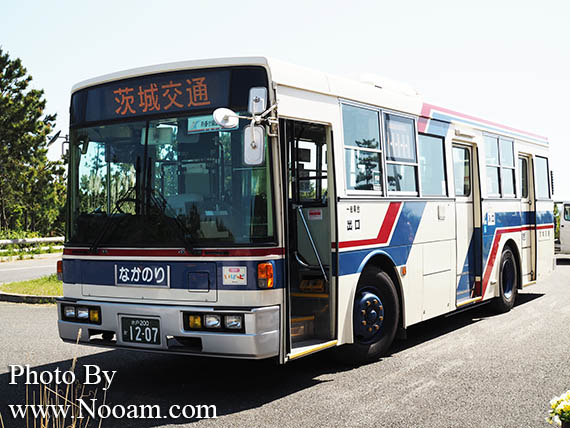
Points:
x=159 y=201
x=110 y=221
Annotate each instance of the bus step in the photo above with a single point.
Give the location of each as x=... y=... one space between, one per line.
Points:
x=308 y=347
x=302 y=328
x=310 y=295
x=315 y=285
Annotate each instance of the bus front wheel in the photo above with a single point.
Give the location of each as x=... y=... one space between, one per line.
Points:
x=375 y=317
x=508 y=281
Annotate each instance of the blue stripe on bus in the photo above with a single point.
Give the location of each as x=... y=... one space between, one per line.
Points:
x=398 y=250
x=102 y=272
x=544 y=217
x=511 y=219
x=183 y=275
x=471 y=267
x=408 y=224
x=400 y=245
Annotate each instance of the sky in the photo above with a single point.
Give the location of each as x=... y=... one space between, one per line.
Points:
x=502 y=60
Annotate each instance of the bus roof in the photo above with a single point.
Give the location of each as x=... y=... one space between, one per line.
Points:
x=375 y=90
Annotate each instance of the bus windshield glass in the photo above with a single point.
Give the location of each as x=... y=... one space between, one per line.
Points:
x=155 y=182
x=167 y=181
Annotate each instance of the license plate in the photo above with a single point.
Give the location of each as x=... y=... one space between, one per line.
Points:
x=141 y=330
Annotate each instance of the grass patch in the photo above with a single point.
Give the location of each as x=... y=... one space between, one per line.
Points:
x=44 y=286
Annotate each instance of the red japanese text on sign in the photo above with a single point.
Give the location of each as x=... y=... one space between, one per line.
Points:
x=172 y=95
x=149 y=98
x=157 y=97
x=198 y=92
x=124 y=100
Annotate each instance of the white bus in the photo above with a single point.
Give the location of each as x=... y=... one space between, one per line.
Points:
x=249 y=208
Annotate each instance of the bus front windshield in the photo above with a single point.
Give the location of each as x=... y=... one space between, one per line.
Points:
x=177 y=181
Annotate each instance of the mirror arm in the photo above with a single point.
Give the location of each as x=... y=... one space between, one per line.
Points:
x=269 y=110
x=272 y=121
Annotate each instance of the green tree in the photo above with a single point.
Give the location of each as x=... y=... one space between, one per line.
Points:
x=370 y=162
x=32 y=188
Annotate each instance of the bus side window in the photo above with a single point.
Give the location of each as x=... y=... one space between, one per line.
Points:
x=523 y=168
x=309 y=166
x=541 y=177
x=499 y=156
x=432 y=169
x=362 y=149
x=462 y=171
x=401 y=161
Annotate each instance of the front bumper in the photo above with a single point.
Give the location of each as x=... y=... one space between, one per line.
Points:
x=260 y=340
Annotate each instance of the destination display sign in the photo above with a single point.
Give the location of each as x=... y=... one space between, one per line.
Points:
x=155 y=94
x=142 y=274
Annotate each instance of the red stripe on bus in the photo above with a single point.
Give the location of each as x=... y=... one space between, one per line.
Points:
x=495 y=248
x=383 y=233
x=139 y=252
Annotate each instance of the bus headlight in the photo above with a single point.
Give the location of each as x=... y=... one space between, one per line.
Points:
x=233 y=322
x=212 y=321
x=82 y=313
x=69 y=311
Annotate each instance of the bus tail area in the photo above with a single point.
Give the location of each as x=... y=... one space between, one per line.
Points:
x=249 y=208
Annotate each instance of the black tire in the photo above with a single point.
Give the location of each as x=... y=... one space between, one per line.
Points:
x=369 y=345
x=508 y=281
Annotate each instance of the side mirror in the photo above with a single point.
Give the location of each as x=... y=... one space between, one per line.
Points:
x=253 y=145
x=226 y=118
x=257 y=102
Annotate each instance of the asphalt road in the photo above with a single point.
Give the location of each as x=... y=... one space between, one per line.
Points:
x=474 y=369
x=22 y=270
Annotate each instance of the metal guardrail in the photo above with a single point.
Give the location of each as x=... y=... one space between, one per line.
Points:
x=31 y=240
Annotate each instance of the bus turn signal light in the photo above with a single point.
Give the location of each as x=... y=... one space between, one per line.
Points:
x=195 y=321
x=94 y=315
x=59 y=270
x=265 y=275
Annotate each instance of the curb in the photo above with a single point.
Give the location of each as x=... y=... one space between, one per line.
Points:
x=26 y=298
x=41 y=256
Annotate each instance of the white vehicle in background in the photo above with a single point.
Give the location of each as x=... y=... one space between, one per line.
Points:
x=563 y=242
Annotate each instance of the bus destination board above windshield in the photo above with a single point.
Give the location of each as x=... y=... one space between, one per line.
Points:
x=155 y=94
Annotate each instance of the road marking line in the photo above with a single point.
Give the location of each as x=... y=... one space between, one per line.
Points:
x=25 y=268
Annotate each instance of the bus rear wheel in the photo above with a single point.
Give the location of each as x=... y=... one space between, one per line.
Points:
x=508 y=281
x=375 y=316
